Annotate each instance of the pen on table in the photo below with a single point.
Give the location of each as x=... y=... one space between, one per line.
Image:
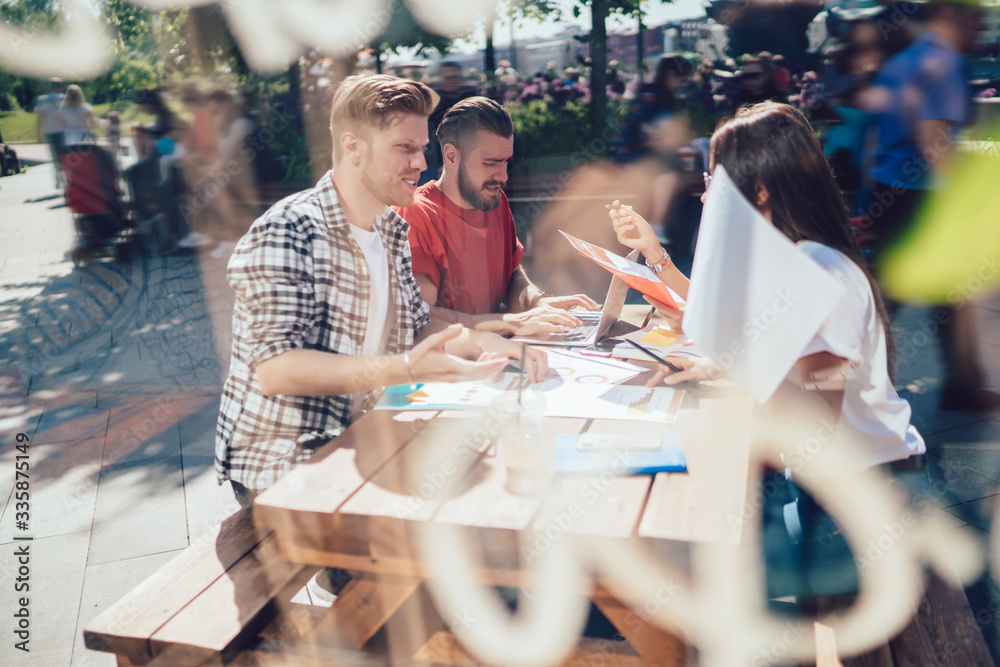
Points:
x=674 y=368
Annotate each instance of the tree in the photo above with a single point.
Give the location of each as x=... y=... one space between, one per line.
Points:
x=600 y=10
x=404 y=31
x=753 y=29
x=16 y=90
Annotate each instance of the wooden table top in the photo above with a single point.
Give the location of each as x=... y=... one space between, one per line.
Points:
x=355 y=503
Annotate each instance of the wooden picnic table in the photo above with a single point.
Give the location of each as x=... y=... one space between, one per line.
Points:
x=230 y=597
x=355 y=505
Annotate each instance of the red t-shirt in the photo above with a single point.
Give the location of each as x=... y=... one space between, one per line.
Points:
x=468 y=255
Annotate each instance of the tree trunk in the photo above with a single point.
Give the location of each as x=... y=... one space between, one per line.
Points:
x=599 y=67
x=295 y=95
x=640 y=50
x=490 y=56
x=378 y=59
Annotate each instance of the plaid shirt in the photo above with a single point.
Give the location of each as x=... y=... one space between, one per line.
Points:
x=301 y=282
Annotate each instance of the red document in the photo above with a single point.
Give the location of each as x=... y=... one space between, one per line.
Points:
x=635 y=275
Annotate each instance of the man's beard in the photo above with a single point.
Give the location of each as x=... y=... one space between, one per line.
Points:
x=474 y=194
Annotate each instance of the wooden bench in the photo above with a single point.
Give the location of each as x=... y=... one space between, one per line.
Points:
x=943 y=632
x=221 y=602
x=205 y=604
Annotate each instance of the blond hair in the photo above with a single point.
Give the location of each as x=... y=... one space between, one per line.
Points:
x=367 y=102
x=74 y=97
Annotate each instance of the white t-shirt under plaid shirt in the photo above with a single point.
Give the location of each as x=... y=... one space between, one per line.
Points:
x=302 y=281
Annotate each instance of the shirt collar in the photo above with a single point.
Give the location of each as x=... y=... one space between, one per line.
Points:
x=328 y=199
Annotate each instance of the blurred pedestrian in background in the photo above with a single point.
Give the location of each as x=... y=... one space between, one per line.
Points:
x=756 y=83
x=921 y=99
x=113 y=133
x=451 y=88
x=77 y=117
x=655 y=103
x=48 y=124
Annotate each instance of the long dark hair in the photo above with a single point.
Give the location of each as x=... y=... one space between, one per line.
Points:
x=772 y=145
x=669 y=63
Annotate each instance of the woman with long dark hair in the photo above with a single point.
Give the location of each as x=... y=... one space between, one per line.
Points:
x=654 y=103
x=772 y=155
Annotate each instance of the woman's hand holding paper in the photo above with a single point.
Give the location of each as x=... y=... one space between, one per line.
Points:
x=633 y=231
x=673 y=316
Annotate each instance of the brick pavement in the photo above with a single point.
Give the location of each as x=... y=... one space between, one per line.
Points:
x=115 y=373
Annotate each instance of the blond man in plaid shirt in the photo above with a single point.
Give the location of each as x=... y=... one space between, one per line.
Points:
x=327 y=309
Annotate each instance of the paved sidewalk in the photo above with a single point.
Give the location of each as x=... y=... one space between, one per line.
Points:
x=115 y=373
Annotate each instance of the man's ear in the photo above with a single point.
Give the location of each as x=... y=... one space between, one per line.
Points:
x=352 y=147
x=450 y=154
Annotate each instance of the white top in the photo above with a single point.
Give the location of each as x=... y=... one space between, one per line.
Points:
x=229 y=144
x=74 y=121
x=378 y=304
x=873 y=415
x=48 y=107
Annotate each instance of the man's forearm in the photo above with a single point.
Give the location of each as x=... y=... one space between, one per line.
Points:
x=492 y=322
x=521 y=292
x=316 y=373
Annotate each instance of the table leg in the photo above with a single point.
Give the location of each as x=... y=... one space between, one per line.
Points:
x=654 y=646
x=363 y=606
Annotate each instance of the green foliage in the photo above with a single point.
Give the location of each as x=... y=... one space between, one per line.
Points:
x=21 y=125
x=404 y=31
x=292 y=153
x=132 y=25
x=544 y=130
x=38 y=14
x=18 y=125
x=8 y=102
x=28 y=15
x=128 y=73
x=553 y=9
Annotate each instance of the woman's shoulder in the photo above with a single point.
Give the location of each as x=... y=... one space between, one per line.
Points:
x=838 y=265
x=827 y=257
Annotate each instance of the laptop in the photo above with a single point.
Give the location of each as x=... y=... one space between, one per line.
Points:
x=596 y=326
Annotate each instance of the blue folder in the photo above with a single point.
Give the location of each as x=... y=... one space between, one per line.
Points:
x=570 y=459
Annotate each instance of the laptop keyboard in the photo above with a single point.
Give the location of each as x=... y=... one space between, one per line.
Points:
x=590 y=321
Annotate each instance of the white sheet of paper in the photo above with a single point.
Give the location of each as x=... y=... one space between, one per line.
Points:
x=565 y=398
x=755 y=299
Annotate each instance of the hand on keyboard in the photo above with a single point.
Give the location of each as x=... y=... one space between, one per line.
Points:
x=541 y=320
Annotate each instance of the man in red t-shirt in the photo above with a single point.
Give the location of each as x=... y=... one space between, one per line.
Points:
x=466 y=255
